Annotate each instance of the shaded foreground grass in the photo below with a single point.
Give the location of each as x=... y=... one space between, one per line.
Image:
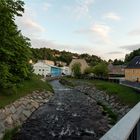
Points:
x=126 y=95
x=10 y=133
x=23 y=89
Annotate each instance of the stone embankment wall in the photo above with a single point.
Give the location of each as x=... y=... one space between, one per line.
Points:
x=16 y=113
x=110 y=101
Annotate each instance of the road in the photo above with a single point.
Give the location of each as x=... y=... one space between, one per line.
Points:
x=69 y=115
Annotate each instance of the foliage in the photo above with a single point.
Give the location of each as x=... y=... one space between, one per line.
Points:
x=126 y=95
x=89 y=70
x=92 y=60
x=24 y=88
x=14 y=47
x=111 y=114
x=55 y=55
x=101 y=70
x=118 y=62
x=130 y=56
x=76 y=70
x=10 y=133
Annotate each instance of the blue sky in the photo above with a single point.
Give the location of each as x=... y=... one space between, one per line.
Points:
x=107 y=28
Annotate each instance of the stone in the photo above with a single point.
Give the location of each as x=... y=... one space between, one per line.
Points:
x=2 y=127
x=9 y=120
x=35 y=104
x=12 y=109
x=27 y=113
x=23 y=118
x=2 y=115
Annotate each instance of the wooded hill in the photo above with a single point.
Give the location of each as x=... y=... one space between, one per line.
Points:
x=56 y=55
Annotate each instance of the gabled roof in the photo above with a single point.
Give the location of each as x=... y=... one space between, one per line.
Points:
x=134 y=63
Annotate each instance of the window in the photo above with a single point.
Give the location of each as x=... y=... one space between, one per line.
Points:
x=42 y=69
x=39 y=69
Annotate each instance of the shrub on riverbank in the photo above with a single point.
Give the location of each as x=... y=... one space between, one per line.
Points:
x=24 y=88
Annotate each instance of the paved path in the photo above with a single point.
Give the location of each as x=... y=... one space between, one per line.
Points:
x=69 y=115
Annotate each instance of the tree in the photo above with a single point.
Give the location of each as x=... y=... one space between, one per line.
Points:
x=76 y=70
x=14 y=47
x=118 y=62
x=88 y=70
x=130 y=56
x=101 y=70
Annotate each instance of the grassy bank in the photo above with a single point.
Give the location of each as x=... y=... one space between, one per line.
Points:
x=10 y=133
x=23 y=89
x=125 y=94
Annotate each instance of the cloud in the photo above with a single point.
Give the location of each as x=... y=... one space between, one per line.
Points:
x=41 y=43
x=27 y=23
x=135 y=32
x=82 y=8
x=131 y=47
x=46 y=6
x=112 y=16
x=100 y=32
x=115 y=52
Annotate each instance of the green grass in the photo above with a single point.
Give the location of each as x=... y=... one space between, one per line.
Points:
x=111 y=114
x=23 y=89
x=126 y=95
x=10 y=133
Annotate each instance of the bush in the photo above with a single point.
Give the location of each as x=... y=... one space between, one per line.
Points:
x=76 y=70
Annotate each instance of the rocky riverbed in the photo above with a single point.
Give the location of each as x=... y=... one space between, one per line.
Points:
x=69 y=115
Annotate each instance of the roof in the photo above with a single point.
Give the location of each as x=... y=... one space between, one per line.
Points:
x=134 y=63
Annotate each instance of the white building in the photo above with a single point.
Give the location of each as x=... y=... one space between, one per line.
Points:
x=41 y=68
x=66 y=70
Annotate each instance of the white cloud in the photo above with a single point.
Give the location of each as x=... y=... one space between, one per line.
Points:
x=82 y=8
x=46 y=6
x=131 y=47
x=115 y=52
x=135 y=32
x=112 y=16
x=41 y=43
x=27 y=23
x=100 y=33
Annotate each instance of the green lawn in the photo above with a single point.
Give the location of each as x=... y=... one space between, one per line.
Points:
x=23 y=89
x=125 y=94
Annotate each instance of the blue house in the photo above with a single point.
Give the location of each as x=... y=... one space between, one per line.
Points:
x=56 y=71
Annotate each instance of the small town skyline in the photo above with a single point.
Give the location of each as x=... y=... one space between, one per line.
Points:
x=109 y=29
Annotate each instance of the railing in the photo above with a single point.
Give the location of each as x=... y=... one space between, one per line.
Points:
x=128 y=128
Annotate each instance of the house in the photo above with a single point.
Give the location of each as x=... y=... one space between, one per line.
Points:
x=48 y=62
x=41 y=68
x=132 y=71
x=116 y=70
x=83 y=63
x=65 y=70
x=60 y=63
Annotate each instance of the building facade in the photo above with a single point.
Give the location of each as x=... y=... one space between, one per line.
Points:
x=132 y=71
x=116 y=70
x=42 y=69
x=83 y=63
x=45 y=70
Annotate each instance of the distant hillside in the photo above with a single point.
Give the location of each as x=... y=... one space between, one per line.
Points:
x=56 y=55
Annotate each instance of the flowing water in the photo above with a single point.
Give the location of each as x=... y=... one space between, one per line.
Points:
x=69 y=115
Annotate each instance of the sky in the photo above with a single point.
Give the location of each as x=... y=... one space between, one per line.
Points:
x=106 y=28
